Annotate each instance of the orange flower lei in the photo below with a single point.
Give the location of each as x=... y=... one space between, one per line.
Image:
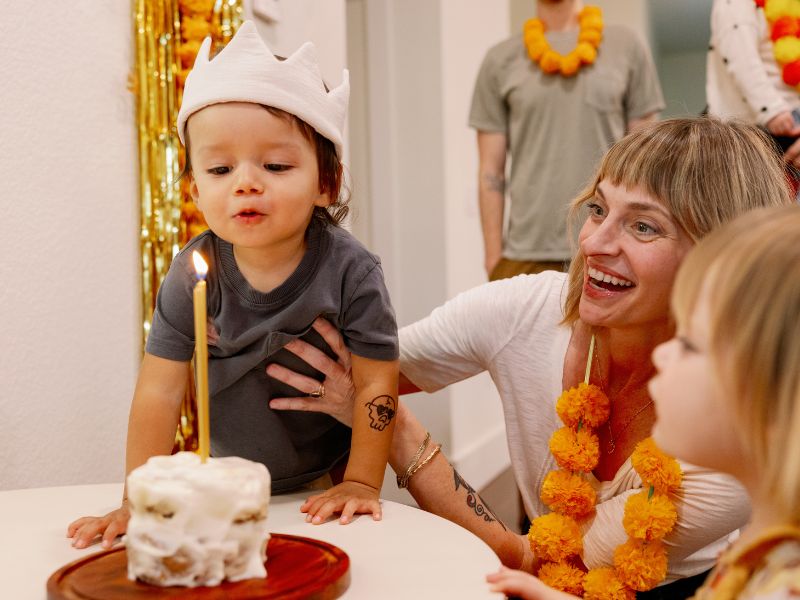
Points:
x=584 y=53
x=783 y=17
x=641 y=562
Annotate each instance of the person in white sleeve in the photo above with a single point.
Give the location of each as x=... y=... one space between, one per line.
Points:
x=743 y=79
x=655 y=194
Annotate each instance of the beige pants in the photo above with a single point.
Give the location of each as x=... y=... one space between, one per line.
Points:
x=508 y=268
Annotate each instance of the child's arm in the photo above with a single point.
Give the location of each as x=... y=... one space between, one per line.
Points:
x=154 y=416
x=374 y=409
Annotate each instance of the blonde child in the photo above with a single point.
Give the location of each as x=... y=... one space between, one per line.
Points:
x=727 y=397
x=263 y=142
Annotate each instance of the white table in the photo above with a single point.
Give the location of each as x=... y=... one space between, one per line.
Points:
x=410 y=554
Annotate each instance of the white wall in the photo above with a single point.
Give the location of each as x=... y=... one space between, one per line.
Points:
x=682 y=77
x=69 y=295
x=70 y=257
x=422 y=58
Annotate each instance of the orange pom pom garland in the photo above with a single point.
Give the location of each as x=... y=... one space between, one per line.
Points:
x=640 y=563
x=584 y=53
x=783 y=17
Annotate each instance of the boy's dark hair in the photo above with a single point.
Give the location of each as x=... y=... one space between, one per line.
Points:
x=328 y=164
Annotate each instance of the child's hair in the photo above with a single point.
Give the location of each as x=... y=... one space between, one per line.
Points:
x=329 y=166
x=705 y=171
x=751 y=269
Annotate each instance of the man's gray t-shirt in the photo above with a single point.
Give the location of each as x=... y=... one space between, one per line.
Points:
x=558 y=128
x=337 y=279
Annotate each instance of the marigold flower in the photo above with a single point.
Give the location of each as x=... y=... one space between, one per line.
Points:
x=568 y=494
x=590 y=10
x=591 y=21
x=784 y=26
x=550 y=61
x=587 y=52
x=180 y=77
x=786 y=50
x=656 y=468
x=555 y=537
x=586 y=403
x=791 y=73
x=187 y=53
x=649 y=517
x=641 y=565
x=194 y=28
x=575 y=451
x=536 y=48
x=196 y=7
x=533 y=25
x=562 y=576
x=774 y=9
x=570 y=64
x=591 y=36
x=603 y=584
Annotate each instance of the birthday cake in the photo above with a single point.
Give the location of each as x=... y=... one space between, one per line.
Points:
x=195 y=523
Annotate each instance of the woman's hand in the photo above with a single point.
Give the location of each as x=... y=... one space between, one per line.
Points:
x=84 y=530
x=337 y=400
x=523 y=585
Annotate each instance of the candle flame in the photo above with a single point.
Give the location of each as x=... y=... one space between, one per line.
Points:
x=199 y=264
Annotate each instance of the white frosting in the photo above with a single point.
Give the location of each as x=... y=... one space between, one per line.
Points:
x=195 y=523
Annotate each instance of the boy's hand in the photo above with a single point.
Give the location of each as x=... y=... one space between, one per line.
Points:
x=84 y=531
x=348 y=498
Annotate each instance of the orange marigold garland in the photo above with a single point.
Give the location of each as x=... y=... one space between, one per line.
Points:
x=555 y=537
x=568 y=493
x=783 y=17
x=603 y=584
x=640 y=563
x=563 y=576
x=648 y=516
x=584 y=53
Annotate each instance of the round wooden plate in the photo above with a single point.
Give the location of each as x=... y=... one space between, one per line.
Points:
x=298 y=567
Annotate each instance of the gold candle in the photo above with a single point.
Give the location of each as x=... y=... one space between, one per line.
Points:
x=201 y=354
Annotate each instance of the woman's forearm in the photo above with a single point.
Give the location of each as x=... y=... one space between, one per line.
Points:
x=438 y=488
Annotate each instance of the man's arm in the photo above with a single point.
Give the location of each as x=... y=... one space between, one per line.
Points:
x=491 y=194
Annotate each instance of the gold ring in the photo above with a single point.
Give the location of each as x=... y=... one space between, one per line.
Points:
x=320 y=393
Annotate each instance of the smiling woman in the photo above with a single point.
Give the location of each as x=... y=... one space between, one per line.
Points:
x=655 y=193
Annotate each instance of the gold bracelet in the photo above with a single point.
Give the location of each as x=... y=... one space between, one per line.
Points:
x=402 y=480
x=424 y=462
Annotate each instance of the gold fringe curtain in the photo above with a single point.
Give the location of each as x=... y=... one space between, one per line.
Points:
x=167 y=35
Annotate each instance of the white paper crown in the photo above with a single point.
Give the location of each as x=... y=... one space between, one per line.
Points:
x=246 y=70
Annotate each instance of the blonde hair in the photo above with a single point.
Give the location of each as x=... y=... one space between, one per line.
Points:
x=751 y=269
x=705 y=171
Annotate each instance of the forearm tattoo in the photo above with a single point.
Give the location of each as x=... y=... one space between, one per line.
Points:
x=475 y=502
x=495 y=183
x=381 y=411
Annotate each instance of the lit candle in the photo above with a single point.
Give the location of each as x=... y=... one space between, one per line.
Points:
x=201 y=354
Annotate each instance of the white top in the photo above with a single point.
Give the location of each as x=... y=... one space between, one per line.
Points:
x=742 y=78
x=510 y=328
x=408 y=554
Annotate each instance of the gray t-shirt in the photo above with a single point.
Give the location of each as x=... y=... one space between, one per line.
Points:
x=558 y=127
x=337 y=279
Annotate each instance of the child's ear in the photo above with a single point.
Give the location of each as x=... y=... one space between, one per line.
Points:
x=323 y=200
x=193 y=190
